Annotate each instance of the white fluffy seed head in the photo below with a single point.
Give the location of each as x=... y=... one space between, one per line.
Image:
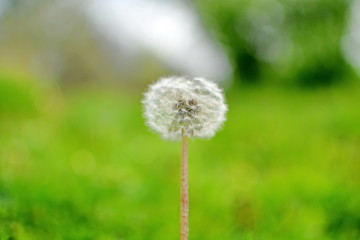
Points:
x=184 y=106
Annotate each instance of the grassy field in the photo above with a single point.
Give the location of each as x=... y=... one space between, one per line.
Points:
x=82 y=165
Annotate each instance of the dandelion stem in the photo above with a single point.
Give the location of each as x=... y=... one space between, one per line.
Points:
x=184 y=195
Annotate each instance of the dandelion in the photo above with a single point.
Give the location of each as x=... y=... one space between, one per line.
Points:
x=181 y=108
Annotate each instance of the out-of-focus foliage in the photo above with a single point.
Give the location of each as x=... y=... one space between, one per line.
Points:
x=81 y=164
x=15 y=99
x=84 y=166
x=287 y=41
x=281 y=40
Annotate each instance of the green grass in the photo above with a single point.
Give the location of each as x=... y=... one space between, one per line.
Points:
x=83 y=166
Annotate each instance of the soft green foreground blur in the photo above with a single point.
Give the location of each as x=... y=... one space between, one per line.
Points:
x=82 y=165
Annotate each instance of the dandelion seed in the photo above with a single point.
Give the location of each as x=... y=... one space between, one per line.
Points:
x=184 y=106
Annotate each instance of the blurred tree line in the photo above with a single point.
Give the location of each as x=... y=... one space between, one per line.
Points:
x=281 y=40
x=271 y=41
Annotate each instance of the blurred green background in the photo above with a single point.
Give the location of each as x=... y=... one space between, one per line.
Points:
x=77 y=161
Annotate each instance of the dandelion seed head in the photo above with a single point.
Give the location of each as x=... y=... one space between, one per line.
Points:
x=184 y=106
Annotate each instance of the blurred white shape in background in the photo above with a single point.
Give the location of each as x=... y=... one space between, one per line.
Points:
x=170 y=30
x=3 y=6
x=351 y=40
